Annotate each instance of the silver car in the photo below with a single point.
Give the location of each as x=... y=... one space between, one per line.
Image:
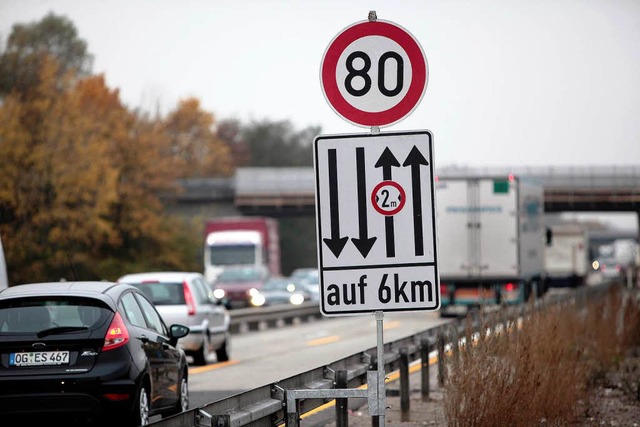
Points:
x=187 y=299
x=309 y=276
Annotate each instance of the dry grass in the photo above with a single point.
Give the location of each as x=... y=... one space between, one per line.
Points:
x=539 y=372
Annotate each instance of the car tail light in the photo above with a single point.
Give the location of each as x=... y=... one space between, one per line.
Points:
x=116 y=397
x=117 y=334
x=509 y=287
x=188 y=297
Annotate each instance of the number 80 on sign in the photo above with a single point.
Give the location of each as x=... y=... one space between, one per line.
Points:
x=374 y=73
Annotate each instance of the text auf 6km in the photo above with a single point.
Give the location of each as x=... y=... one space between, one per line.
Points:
x=388 y=291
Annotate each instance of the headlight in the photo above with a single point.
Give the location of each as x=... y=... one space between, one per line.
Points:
x=218 y=293
x=296 y=299
x=257 y=300
x=253 y=292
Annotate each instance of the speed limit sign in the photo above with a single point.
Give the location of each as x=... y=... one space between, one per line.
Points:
x=374 y=73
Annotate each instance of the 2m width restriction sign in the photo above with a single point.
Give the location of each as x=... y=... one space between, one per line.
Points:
x=375 y=217
x=374 y=73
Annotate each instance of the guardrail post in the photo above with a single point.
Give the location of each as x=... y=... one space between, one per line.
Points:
x=405 y=402
x=375 y=420
x=223 y=420
x=202 y=418
x=342 y=406
x=441 y=355
x=425 y=348
x=293 y=417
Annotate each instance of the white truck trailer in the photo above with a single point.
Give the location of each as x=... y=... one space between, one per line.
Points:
x=491 y=239
x=566 y=258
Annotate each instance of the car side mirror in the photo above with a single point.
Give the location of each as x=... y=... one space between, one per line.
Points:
x=177 y=331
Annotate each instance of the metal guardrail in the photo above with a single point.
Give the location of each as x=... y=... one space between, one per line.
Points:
x=259 y=318
x=266 y=406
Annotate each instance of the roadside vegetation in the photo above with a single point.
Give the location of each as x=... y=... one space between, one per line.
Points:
x=544 y=370
x=85 y=178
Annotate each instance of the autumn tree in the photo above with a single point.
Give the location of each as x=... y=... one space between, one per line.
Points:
x=279 y=144
x=82 y=176
x=82 y=184
x=137 y=170
x=81 y=180
x=29 y=45
x=194 y=143
x=229 y=131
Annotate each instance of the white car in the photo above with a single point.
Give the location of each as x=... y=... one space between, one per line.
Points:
x=187 y=299
x=610 y=268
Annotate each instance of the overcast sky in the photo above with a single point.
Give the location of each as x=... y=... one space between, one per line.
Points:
x=511 y=82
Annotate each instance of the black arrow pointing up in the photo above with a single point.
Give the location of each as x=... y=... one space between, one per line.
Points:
x=363 y=242
x=415 y=159
x=335 y=243
x=386 y=161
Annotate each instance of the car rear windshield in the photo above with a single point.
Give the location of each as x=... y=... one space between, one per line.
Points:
x=163 y=293
x=37 y=315
x=277 y=285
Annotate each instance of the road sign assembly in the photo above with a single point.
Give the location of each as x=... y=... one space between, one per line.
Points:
x=376 y=222
x=375 y=212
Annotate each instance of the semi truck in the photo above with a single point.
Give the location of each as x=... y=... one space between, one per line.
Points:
x=566 y=257
x=491 y=239
x=241 y=241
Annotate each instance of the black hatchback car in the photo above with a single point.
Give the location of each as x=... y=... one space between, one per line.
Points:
x=88 y=352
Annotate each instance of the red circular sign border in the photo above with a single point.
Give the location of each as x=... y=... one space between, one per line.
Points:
x=403 y=197
x=330 y=63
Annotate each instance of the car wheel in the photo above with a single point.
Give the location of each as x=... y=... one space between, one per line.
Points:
x=222 y=354
x=139 y=415
x=200 y=356
x=183 y=395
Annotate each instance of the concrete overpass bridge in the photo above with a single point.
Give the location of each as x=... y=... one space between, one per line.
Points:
x=288 y=194
x=290 y=191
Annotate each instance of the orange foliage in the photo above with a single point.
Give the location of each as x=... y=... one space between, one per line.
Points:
x=81 y=179
x=82 y=175
x=194 y=143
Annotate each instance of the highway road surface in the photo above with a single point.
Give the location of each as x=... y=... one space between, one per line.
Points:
x=264 y=357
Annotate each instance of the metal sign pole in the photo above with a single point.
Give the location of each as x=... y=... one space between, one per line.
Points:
x=381 y=376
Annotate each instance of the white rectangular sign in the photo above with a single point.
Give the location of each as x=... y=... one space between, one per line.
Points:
x=375 y=218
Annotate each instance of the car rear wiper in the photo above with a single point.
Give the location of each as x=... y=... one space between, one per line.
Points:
x=60 y=330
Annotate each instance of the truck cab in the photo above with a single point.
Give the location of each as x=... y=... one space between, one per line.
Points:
x=233 y=248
